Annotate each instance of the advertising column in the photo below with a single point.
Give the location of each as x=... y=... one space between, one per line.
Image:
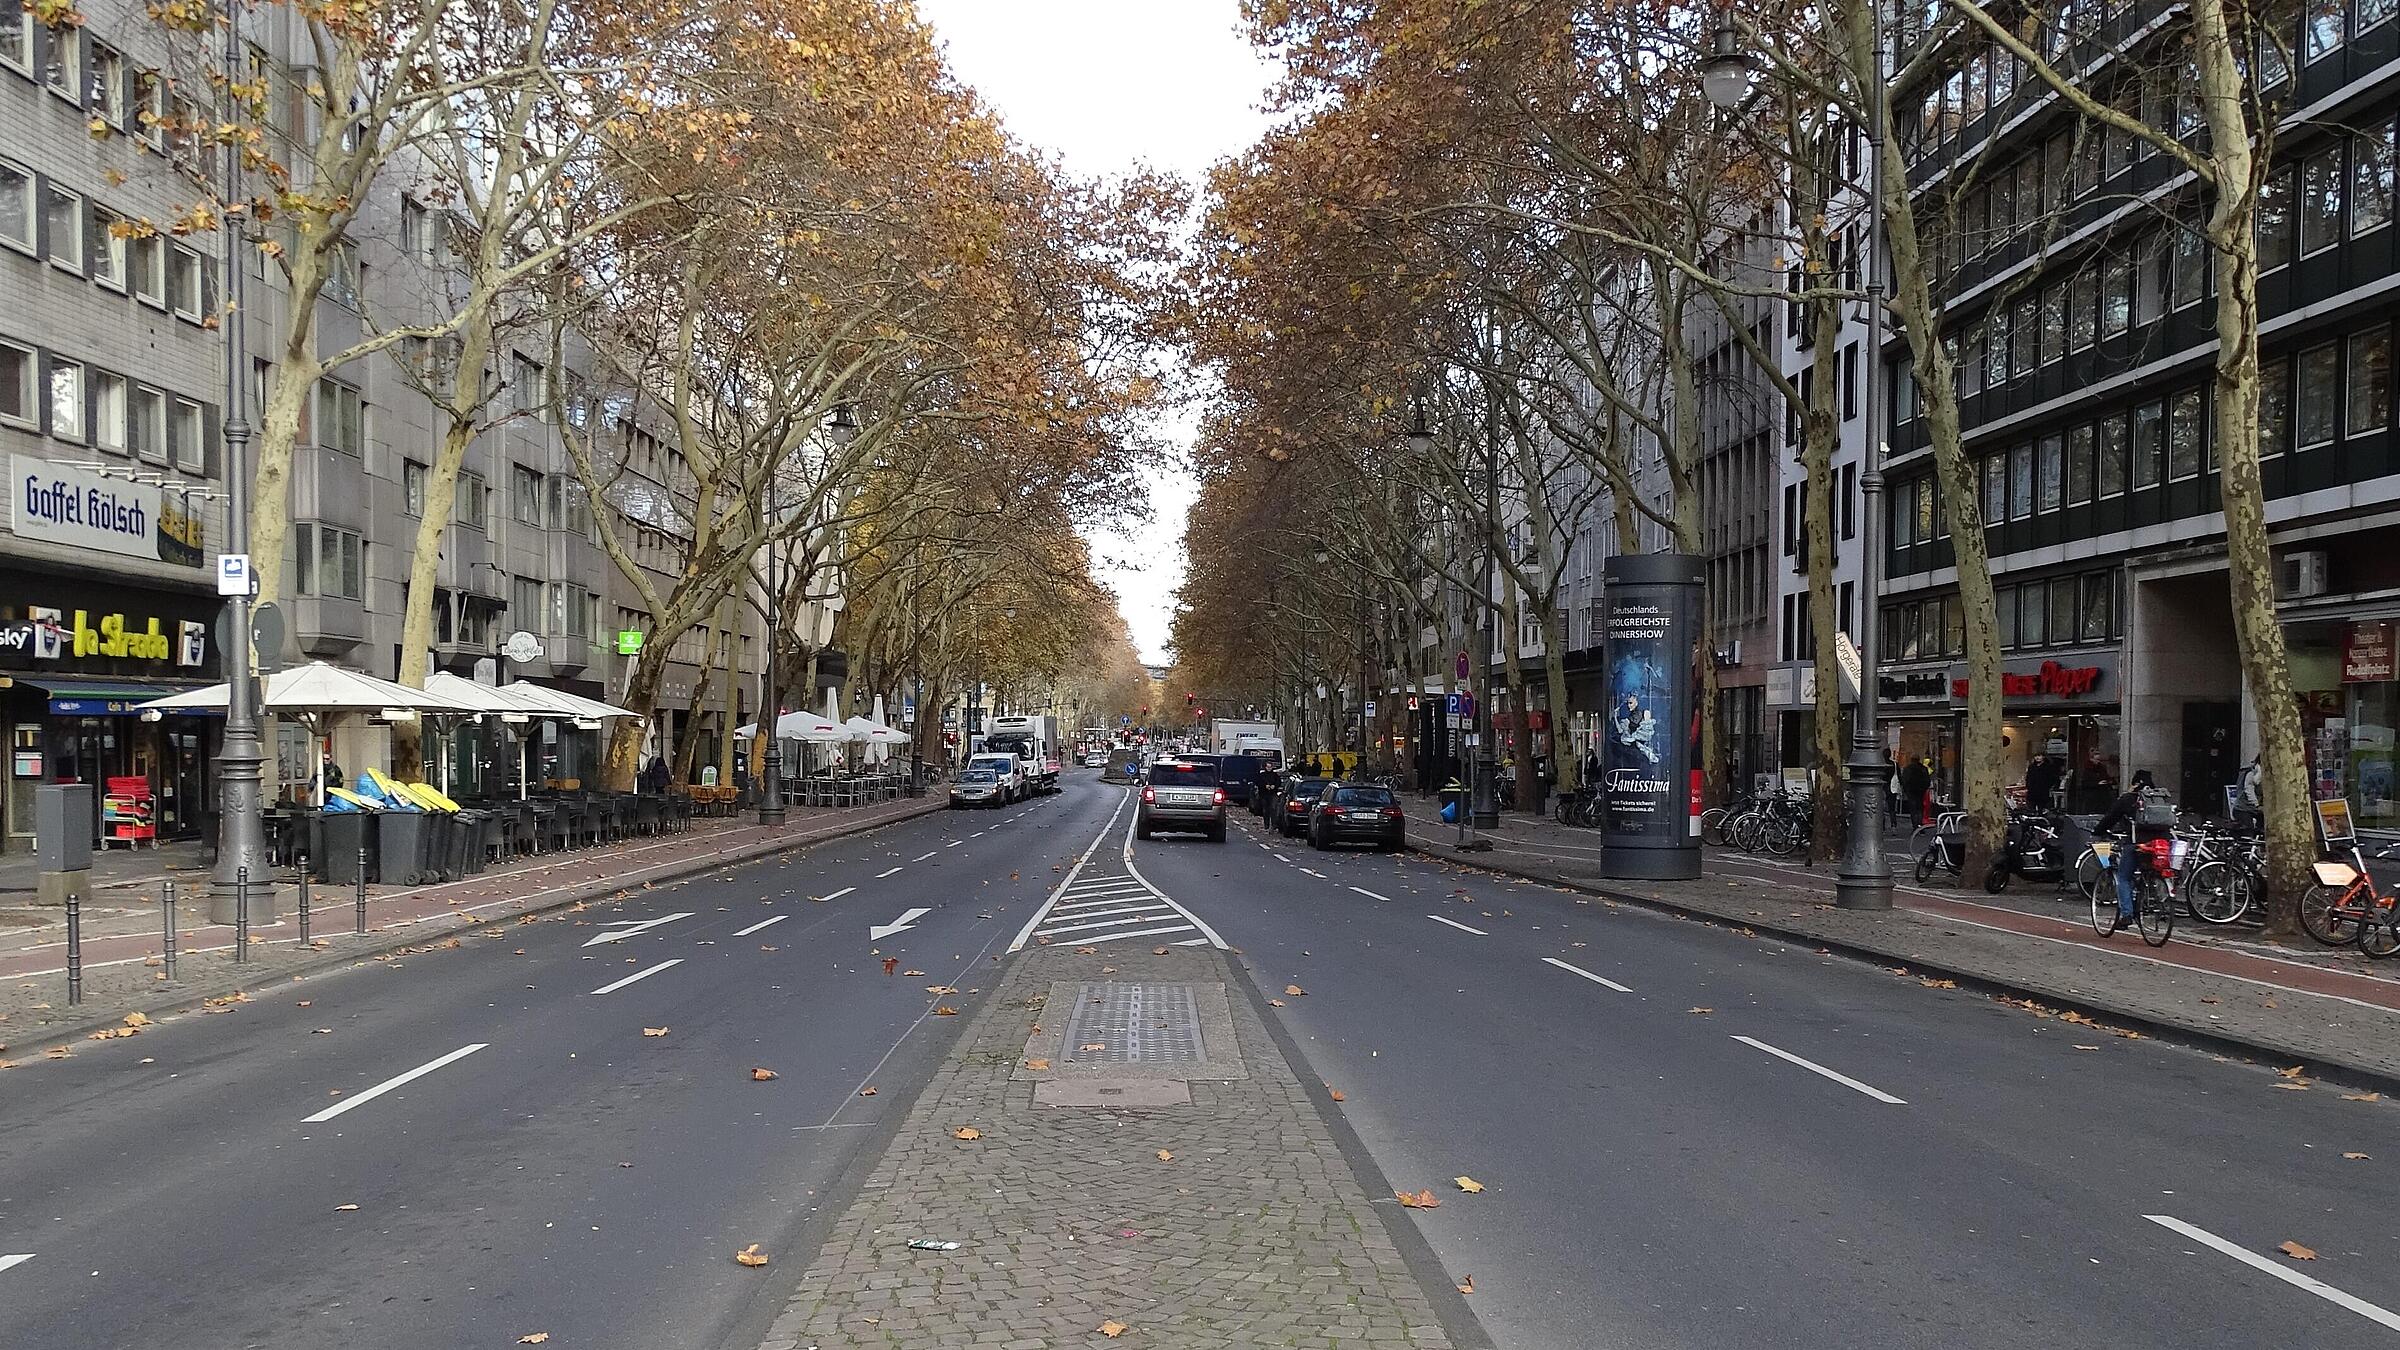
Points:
x=1649 y=730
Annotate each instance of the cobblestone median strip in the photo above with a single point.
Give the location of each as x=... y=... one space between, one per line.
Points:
x=1233 y=1221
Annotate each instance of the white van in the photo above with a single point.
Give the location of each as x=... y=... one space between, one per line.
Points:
x=1016 y=782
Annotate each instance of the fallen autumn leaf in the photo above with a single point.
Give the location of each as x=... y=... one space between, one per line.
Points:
x=1424 y=1199
x=763 y=1075
x=966 y=1132
x=654 y=1031
x=751 y=1256
x=1113 y=1329
x=2297 y=1252
x=1469 y=1184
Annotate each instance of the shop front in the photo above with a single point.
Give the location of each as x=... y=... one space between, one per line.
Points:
x=2064 y=709
x=2347 y=679
x=77 y=658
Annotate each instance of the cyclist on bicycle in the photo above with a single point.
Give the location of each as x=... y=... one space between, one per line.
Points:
x=2126 y=815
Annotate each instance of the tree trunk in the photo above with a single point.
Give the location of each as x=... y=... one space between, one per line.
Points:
x=689 y=749
x=623 y=758
x=1511 y=624
x=289 y=388
x=1564 y=771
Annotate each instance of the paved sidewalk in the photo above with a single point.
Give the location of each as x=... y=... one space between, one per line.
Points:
x=2325 y=1010
x=1233 y=1220
x=123 y=971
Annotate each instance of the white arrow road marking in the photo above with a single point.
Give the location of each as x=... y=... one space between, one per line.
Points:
x=1578 y=970
x=389 y=1083
x=902 y=924
x=14 y=1259
x=1844 y=1079
x=2291 y=1277
x=1457 y=925
x=762 y=923
x=637 y=926
x=615 y=985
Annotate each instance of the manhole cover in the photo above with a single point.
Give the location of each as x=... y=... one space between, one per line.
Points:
x=1134 y=1024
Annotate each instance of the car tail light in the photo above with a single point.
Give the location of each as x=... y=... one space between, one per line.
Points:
x=1149 y=794
x=1219 y=797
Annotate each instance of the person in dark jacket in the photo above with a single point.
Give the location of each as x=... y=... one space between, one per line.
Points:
x=2124 y=818
x=1915 y=781
x=2041 y=783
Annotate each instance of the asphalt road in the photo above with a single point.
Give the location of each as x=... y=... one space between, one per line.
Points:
x=1673 y=1163
x=1688 y=1136
x=572 y=1175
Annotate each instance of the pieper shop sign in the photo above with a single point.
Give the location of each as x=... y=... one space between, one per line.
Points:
x=2051 y=681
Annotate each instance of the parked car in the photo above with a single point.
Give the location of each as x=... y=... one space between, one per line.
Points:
x=1348 y=813
x=1015 y=782
x=978 y=787
x=1298 y=799
x=1181 y=794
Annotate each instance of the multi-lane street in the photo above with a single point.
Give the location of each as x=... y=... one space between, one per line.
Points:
x=1687 y=1136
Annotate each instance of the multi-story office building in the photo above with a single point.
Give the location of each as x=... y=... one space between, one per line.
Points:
x=112 y=380
x=2079 y=301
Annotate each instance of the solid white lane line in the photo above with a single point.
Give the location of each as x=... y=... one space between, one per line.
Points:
x=838 y=894
x=762 y=923
x=977 y=835
x=1054 y=929
x=1138 y=932
x=14 y=1259
x=1457 y=925
x=881 y=875
x=923 y=856
x=1578 y=970
x=402 y=1081
x=1280 y=858
x=954 y=843
x=1844 y=1079
x=2327 y=1292
x=1369 y=894
x=616 y=985
x=1314 y=873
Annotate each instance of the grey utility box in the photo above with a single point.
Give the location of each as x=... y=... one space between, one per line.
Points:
x=62 y=841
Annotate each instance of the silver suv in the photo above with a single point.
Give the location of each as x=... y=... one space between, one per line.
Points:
x=1181 y=794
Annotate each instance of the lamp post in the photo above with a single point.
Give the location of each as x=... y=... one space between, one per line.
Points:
x=1865 y=879
x=1487 y=762
x=1420 y=444
x=241 y=756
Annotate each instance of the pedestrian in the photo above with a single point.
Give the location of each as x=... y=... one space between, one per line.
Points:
x=1916 y=779
x=2041 y=782
x=2249 y=806
x=1591 y=766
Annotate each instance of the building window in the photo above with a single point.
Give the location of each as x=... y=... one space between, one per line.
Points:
x=16 y=207
x=2033 y=614
x=2083 y=309
x=64 y=214
x=2150 y=278
x=183 y=282
x=16 y=386
x=2054 y=322
x=2273 y=222
x=416 y=231
x=2320 y=376
x=148 y=425
x=525 y=604
x=108 y=412
x=341 y=418
x=2110 y=470
x=2053 y=471
x=342 y=276
x=2274 y=406
x=528 y=392
x=2183 y=435
x=525 y=486
x=64 y=68
x=2005 y=611
x=16 y=40
x=2116 y=297
x=2321 y=200
x=147 y=257
x=1995 y=354
x=149 y=107
x=473 y=501
x=108 y=249
x=1927 y=514
x=66 y=400
x=1995 y=489
x=329 y=562
x=109 y=90
x=2062 y=610
x=2372 y=12
x=2097 y=593
x=412 y=487
x=2371 y=180
x=2321 y=29
x=2020 y=481
x=186 y=439
x=2025 y=337
x=1904 y=519
x=2149 y=435
x=1849 y=501
x=2079 y=465
x=2191 y=264
x=2367 y=408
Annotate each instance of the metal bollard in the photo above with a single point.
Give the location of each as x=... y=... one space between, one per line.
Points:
x=74 y=948
x=241 y=913
x=303 y=899
x=169 y=952
x=362 y=888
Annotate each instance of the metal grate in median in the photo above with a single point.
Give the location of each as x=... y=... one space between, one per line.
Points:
x=1134 y=1024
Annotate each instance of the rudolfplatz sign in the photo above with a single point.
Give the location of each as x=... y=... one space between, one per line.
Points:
x=1649 y=770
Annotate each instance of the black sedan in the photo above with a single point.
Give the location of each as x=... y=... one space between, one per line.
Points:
x=1349 y=813
x=1293 y=804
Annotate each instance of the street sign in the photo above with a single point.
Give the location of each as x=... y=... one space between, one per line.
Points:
x=234 y=576
x=629 y=641
x=266 y=637
x=522 y=646
x=1846 y=652
x=1370 y=707
x=487 y=670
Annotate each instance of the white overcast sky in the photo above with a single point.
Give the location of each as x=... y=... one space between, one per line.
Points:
x=1107 y=85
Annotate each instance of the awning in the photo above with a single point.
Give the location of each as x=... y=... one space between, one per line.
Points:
x=100 y=697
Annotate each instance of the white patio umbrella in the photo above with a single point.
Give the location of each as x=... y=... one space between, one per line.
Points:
x=572 y=705
x=506 y=704
x=321 y=687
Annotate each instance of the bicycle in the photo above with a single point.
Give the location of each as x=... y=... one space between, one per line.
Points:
x=1944 y=845
x=2224 y=875
x=1582 y=807
x=2154 y=900
x=2346 y=907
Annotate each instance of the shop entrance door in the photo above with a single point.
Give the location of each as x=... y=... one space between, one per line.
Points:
x=2212 y=739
